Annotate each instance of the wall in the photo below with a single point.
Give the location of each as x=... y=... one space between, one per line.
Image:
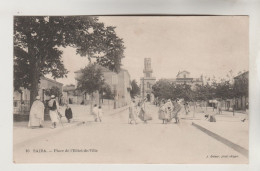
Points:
x=21 y=101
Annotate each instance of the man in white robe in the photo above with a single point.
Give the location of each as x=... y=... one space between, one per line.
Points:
x=36 y=117
x=54 y=109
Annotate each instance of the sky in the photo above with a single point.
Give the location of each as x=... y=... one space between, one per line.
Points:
x=202 y=45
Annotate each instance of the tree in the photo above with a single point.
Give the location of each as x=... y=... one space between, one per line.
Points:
x=182 y=91
x=106 y=92
x=53 y=91
x=91 y=80
x=37 y=40
x=135 y=89
x=162 y=88
x=203 y=92
x=223 y=90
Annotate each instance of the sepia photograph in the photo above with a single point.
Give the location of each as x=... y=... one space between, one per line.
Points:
x=131 y=89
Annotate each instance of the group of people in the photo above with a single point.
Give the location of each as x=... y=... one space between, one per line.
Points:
x=36 y=117
x=137 y=109
x=167 y=111
x=170 y=110
x=98 y=113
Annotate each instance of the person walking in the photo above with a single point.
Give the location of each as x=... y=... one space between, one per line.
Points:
x=162 y=111
x=36 y=117
x=68 y=113
x=187 y=108
x=219 y=109
x=176 y=110
x=95 y=112
x=168 y=111
x=100 y=114
x=54 y=109
x=247 y=113
x=132 y=112
x=142 y=113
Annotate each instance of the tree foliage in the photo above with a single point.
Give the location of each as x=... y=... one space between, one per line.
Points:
x=106 y=91
x=223 y=89
x=53 y=91
x=91 y=79
x=203 y=92
x=162 y=89
x=37 y=40
x=135 y=89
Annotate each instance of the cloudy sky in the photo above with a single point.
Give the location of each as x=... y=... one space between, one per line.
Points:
x=199 y=44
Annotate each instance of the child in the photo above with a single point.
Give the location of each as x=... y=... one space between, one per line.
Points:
x=95 y=112
x=100 y=114
x=68 y=113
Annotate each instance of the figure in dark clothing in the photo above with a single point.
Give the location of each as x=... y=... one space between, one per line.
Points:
x=68 y=113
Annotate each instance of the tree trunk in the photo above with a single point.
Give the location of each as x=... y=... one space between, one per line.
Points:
x=99 y=99
x=34 y=72
x=34 y=84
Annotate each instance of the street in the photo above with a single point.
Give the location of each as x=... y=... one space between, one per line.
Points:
x=115 y=141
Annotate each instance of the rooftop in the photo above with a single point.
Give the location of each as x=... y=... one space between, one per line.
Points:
x=53 y=81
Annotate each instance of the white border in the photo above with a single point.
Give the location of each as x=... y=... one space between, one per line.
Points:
x=103 y=7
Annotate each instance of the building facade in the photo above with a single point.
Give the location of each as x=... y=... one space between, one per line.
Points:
x=243 y=81
x=21 y=99
x=147 y=81
x=184 y=77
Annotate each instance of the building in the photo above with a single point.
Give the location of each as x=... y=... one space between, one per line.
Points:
x=184 y=77
x=119 y=83
x=147 y=81
x=69 y=94
x=241 y=81
x=21 y=99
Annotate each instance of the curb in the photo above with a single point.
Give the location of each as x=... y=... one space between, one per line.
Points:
x=55 y=131
x=223 y=140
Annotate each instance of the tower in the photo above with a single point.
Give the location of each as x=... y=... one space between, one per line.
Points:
x=147 y=81
x=147 y=67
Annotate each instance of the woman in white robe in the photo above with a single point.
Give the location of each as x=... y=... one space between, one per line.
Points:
x=36 y=114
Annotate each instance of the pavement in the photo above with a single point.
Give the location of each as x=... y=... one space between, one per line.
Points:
x=227 y=129
x=22 y=134
x=115 y=141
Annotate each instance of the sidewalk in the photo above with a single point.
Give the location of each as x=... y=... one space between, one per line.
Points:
x=81 y=114
x=22 y=134
x=227 y=129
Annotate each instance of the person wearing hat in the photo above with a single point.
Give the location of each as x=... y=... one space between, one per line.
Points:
x=54 y=107
x=36 y=114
